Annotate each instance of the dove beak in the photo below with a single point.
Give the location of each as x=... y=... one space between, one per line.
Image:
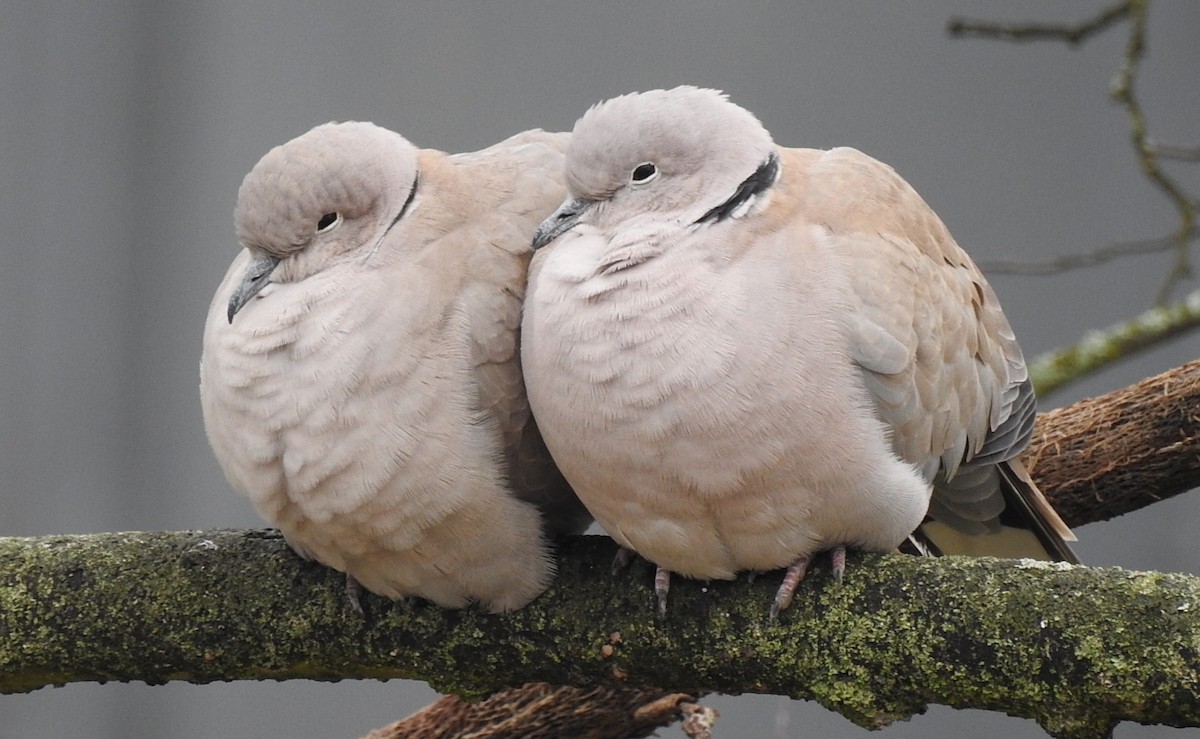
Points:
x=256 y=277
x=561 y=220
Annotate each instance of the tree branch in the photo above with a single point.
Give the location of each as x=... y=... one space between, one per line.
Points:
x=1075 y=34
x=1098 y=349
x=1063 y=645
x=544 y=711
x=1123 y=91
x=1113 y=454
x=1068 y=262
x=1074 y=648
x=1178 y=152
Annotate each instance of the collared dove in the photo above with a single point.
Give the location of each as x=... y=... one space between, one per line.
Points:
x=361 y=380
x=741 y=355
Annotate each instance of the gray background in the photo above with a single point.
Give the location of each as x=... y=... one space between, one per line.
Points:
x=125 y=129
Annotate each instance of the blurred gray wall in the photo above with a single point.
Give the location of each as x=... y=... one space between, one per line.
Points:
x=125 y=129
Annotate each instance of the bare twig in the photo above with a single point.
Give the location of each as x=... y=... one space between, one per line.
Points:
x=1123 y=91
x=1177 y=152
x=1038 y=32
x=1068 y=262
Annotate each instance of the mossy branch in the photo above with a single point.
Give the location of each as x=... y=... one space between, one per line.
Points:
x=1074 y=648
x=1097 y=349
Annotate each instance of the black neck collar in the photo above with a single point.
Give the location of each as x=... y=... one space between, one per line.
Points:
x=412 y=193
x=756 y=183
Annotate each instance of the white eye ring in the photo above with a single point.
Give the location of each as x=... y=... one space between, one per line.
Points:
x=328 y=222
x=643 y=174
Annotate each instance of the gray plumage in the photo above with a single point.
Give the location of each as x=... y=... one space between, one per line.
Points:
x=361 y=381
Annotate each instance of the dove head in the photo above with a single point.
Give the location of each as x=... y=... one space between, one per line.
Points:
x=331 y=193
x=678 y=154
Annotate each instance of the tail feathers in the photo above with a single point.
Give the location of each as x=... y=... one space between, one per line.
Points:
x=1027 y=527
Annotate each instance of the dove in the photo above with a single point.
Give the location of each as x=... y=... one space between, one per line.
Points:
x=360 y=378
x=742 y=355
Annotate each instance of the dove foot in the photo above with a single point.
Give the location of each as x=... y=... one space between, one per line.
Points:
x=787 y=588
x=662 y=579
x=622 y=559
x=662 y=584
x=837 y=556
x=354 y=591
x=796 y=573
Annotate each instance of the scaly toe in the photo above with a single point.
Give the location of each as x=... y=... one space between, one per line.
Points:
x=662 y=584
x=787 y=588
x=354 y=591
x=622 y=559
x=837 y=556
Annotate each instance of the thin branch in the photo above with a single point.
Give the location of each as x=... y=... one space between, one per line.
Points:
x=1123 y=93
x=1098 y=349
x=1038 y=32
x=1069 y=262
x=1177 y=152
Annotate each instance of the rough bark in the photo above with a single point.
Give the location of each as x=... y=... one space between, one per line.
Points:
x=1075 y=648
x=543 y=711
x=1118 y=452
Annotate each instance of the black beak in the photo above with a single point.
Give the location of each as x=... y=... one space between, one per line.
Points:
x=560 y=221
x=258 y=276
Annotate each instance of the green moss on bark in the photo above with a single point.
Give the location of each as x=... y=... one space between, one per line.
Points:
x=1075 y=648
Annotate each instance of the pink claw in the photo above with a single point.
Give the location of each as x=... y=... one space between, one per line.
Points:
x=354 y=594
x=838 y=556
x=662 y=584
x=787 y=589
x=796 y=573
x=622 y=559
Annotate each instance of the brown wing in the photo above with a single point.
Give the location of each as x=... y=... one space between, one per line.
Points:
x=937 y=353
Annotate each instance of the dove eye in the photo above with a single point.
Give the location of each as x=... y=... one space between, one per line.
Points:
x=643 y=173
x=328 y=222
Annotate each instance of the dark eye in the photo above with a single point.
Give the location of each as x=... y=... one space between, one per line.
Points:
x=643 y=173
x=328 y=222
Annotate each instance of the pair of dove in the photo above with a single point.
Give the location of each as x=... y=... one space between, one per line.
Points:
x=738 y=355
